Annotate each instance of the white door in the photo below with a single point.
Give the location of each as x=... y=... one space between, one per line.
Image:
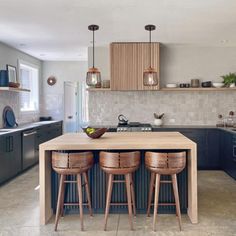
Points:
x=70 y=107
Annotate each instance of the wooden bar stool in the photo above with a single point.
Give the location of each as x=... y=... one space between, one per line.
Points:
x=120 y=164
x=164 y=164
x=72 y=164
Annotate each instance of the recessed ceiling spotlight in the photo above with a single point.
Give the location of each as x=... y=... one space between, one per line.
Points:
x=224 y=41
x=42 y=54
x=22 y=44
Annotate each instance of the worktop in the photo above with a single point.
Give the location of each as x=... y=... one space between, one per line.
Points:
x=22 y=127
x=155 y=141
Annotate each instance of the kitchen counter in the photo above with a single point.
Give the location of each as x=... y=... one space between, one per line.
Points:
x=26 y=126
x=118 y=141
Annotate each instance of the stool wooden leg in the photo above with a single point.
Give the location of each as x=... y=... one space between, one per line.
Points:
x=63 y=196
x=151 y=187
x=108 y=200
x=157 y=186
x=79 y=186
x=85 y=175
x=59 y=200
x=128 y=190
x=176 y=194
x=133 y=195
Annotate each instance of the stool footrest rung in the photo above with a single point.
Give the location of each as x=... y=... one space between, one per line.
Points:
x=164 y=204
x=118 y=181
x=119 y=204
x=165 y=181
x=74 y=204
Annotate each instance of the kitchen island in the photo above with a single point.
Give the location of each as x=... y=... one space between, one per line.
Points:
x=160 y=141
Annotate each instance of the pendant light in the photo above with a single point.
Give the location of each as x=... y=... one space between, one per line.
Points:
x=93 y=78
x=150 y=77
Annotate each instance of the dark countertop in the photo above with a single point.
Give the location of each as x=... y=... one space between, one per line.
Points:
x=112 y=127
x=26 y=126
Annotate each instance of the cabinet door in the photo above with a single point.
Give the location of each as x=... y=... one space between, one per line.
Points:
x=128 y=61
x=213 y=148
x=199 y=137
x=15 y=152
x=4 y=159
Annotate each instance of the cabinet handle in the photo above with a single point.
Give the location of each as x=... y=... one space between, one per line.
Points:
x=11 y=143
x=28 y=134
x=234 y=151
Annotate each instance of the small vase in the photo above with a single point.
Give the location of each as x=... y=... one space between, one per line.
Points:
x=232 y=85
x=158 y=122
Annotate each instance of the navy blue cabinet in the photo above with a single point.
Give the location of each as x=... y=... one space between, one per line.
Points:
x=20 y=150
x=10 y=155
x=227 y=155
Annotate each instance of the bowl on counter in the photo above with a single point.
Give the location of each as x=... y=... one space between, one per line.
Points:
x=97 y=132
x=218 y=84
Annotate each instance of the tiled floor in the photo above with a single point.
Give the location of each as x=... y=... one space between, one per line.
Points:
x=19 y=212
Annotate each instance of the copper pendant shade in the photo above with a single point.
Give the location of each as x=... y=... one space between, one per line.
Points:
x=93 y=78
x=150 y=76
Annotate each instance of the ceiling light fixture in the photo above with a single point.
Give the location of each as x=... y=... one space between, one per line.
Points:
x=150 y=77
x=93 y=78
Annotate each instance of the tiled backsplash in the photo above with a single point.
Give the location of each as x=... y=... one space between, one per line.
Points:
x=180 y=108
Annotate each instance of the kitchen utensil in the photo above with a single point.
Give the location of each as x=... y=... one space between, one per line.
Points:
x=206 y=84
x=96 y=134
x=171 y=85
x=122 y=120
x=9 y=119
x=217 y=84
x=195 y=83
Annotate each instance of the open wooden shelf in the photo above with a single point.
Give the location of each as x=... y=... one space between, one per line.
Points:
x=14 y=89
x=198 y=89
x=99 y=89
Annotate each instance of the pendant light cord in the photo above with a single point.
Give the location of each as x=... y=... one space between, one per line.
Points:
x=150 y=51
x=93 y=49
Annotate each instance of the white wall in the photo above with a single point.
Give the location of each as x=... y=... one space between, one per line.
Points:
x=179 y=63
x=53 y=96
x=11 y=56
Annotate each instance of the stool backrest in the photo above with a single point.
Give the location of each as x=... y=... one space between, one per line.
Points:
x=166 y=163
x=72 y=160
x=119 y=160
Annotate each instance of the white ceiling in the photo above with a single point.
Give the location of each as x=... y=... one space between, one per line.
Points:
x=57 y=29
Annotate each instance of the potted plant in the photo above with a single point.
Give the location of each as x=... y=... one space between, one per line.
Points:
x=229 y=80
x=158 y=119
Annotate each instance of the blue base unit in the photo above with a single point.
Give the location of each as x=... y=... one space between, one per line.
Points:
x=98 y=186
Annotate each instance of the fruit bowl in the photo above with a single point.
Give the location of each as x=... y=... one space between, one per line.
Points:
x=94 y=133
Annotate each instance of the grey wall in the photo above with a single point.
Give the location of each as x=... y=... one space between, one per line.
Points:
x=10 y=56
x=179 y=63
x=53 y=96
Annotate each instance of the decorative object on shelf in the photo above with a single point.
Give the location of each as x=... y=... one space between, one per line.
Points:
x=218 y=84
x=9 y=120
x=171 y=85
x=122 y=120
x=51 y=80
x=4 y=82
x=93 y=78
x=14 y=85
x=94 y=133
x=158 y=121
x=184 y=85
x=150 y=77
x=106 y=84
x=195 y=83
x=206 y=84
x=229 y=80
x=11 y=71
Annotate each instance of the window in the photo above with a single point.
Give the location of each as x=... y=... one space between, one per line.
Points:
x=29 y=79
